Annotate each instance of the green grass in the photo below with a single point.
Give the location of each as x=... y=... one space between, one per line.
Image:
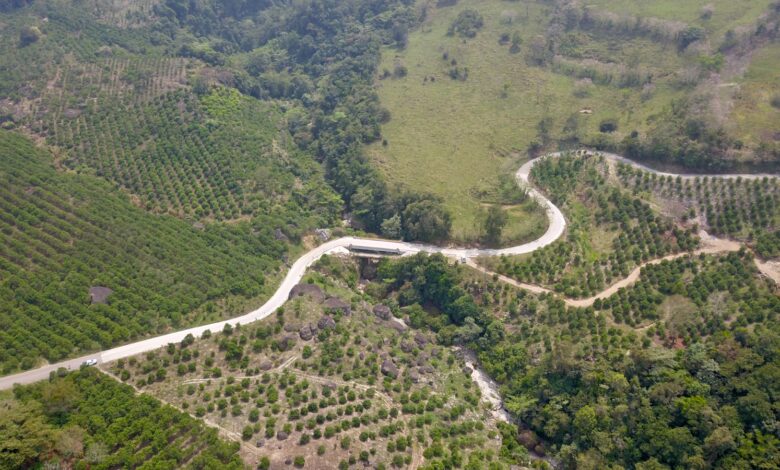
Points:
x=449 y=136
x=726 y=14
x=753 y=116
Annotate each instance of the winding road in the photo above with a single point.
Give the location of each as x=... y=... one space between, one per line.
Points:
x=297 y=270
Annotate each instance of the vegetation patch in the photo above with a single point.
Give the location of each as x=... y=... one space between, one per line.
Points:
x=328 y=386
x=581 y=264
x=84 y=419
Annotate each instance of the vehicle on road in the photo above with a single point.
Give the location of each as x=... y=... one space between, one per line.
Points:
x=89 y=362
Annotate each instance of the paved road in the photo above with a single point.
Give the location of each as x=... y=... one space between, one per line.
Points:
x=554 y=231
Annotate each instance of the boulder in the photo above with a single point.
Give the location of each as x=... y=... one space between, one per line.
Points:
x=326 y=322
x=287 y=342
x=389 y=369
x=382 y=311
x=266 y=365
x=397 y=326
x=420 y=339
x=307 y=332
x=336 y=305
x=281 y=435
x=99 y=294
x=312 y=290
x=414 y=376
x=407 y=347
x=279 y=235
x=468 y=370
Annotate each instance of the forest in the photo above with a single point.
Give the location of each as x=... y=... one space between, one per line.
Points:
x=696 y=391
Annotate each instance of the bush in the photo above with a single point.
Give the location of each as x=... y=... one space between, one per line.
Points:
x=608 y=126
x=29 y=35
x=466 y=24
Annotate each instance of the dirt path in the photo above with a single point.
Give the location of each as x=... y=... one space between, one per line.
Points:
x=710 y=245
x=380 y=247
x=246 y=448
x=770 y=269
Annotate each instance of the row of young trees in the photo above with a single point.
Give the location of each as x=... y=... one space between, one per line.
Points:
x=571 y=266
x=727 y=206
x=84 y=419
x=337 y=398
x=60 y=236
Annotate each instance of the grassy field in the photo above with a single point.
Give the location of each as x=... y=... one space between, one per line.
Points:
x=726 y=14
x=449 y=136
x=753 y=116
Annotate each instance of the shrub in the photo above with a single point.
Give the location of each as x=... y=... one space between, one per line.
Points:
x=466 y=24
x=608 y=126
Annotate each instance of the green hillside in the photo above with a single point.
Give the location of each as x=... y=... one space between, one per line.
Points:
x=63 y=233
x=87 y=420
x=668 y=83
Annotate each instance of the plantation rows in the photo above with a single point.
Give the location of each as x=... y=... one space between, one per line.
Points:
x=572 y=266
x=27 y=69
x=332 y=398
x=539 y=322
x=696 y=279
x=726 y=206
x=160 y=154
x=59 y=236
x=122 y=13
x=204 y=157
x=129 y=431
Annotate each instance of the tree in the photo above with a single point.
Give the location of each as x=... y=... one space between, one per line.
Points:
x=585 y=423
x=391 y=227
x=463 y=307
x=70 y=442
x=718 y=443
x=265 y=463
x=516 y=42
x=23 y=434
x=58 y=399
x=538 y=53
x=29 y=35
x=495 y=221
x=427 y=221
x=466 y=24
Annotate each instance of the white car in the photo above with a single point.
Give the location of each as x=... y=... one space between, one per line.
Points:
x=90 y=362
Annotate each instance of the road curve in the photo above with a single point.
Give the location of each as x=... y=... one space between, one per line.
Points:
x=297 y=270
